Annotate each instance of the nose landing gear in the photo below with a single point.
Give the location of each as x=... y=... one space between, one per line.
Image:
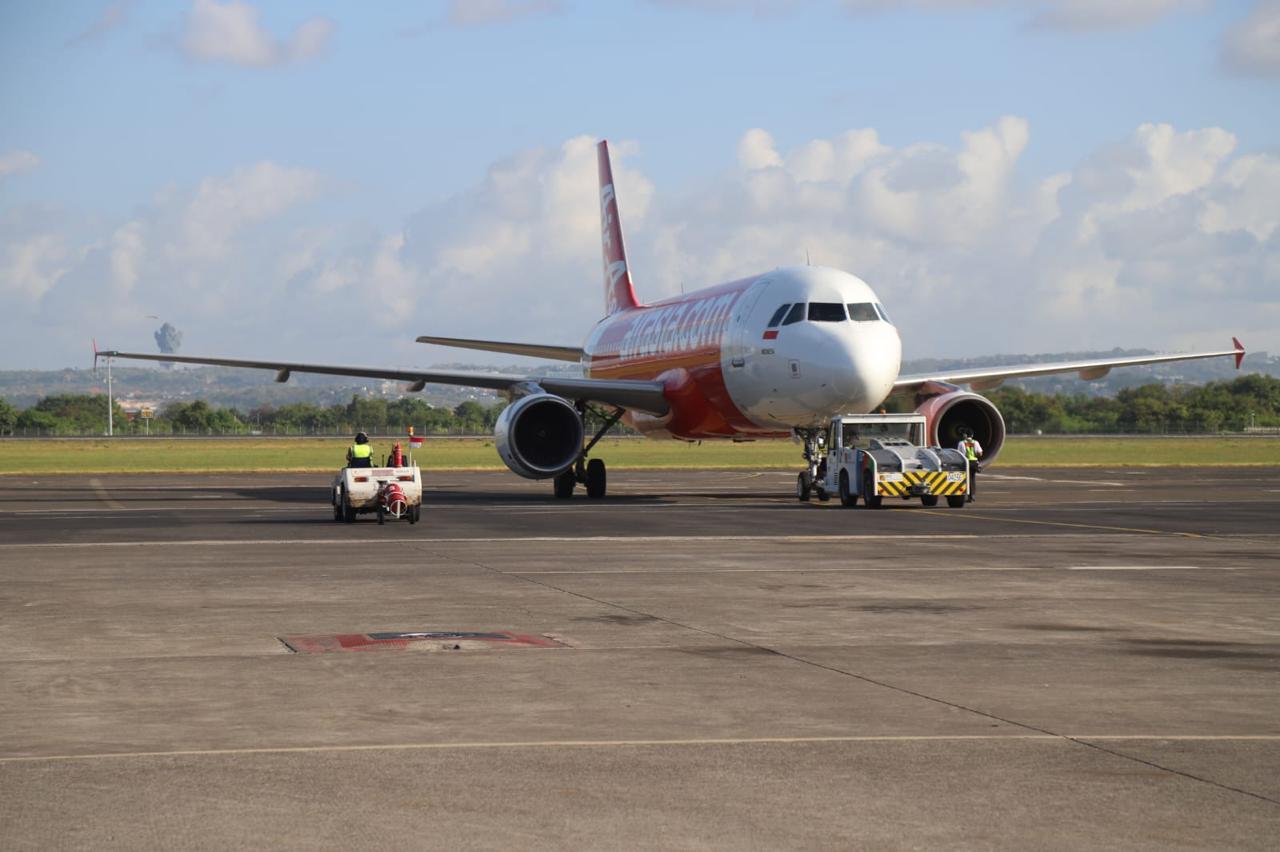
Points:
x=808 y=479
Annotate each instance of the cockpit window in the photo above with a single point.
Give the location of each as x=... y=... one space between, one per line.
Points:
x=796 y=314
x=863 y=312
x=826 y=312
x=777 y=316
x=884 y=315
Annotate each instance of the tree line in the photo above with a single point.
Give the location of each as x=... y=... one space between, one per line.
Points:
x=1232 y=406
x=86 y=414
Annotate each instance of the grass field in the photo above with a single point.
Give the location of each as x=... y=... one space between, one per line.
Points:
x=35 y=457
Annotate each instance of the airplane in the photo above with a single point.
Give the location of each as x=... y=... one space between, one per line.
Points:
x=774 y=355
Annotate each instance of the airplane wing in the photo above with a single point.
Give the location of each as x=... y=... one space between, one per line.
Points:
x=533 y=350
x=624 y=393
x=987 y=378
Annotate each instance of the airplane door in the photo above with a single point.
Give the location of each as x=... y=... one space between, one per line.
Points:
x=741 y=364
x=741 y=340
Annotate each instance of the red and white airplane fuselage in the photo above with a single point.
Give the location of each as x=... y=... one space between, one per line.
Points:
x=756 y=357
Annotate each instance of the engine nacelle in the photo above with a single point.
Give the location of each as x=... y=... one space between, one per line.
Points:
x=539 y=436
x=949 y=414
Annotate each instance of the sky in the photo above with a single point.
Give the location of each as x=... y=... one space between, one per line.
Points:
x=326 y=181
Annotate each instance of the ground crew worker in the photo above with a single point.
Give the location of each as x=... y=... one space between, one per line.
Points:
x=972 y=452
x=360 y=454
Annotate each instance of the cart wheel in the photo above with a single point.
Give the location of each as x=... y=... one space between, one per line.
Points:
x=874 y=500
x=382 y=514
x=348 y=511
x=847 y=498
x=414 y=513
x=803 y=486
x=956 y=501
x=929 y=500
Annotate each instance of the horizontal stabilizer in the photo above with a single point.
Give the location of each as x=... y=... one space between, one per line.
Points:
x=532 y=350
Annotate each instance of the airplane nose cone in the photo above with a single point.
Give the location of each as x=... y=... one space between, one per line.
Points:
x=865 y=364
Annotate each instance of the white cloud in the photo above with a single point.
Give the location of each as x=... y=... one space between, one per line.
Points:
x=220 y=207
x=113 y=15
x=230 y=32
x=1108 y=14
x=17 y=162
x=1252 y=46
x=29 y=267
x=478 y=13
x=1070 y=15
x=1163 y=239
x=1167 y=238
x=755 y=151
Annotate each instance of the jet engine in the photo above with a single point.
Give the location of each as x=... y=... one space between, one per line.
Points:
x=950 y=414
x=539 y=435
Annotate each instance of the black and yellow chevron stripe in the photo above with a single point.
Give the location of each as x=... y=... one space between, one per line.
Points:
x=936 y=480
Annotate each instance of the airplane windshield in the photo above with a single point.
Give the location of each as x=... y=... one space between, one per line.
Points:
x=826 y=312
x=884 y=315
x=778 y=315
x=797 y=314
x=863 y=312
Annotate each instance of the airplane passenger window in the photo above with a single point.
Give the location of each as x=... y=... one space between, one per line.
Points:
x=777 y=316
x=884 y=315
x=797 y=314
x=826 y=312
x=862 y=312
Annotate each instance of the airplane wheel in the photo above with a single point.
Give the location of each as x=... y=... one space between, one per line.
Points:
x=803 y=487
x=563 y=485
x=847 y=498
x=595 y=478
x=956 y=501
x=929 y=500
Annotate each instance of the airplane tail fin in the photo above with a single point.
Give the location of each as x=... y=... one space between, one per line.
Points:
x=619 y=294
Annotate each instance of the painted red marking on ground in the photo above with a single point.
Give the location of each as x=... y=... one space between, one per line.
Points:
x=326 y=643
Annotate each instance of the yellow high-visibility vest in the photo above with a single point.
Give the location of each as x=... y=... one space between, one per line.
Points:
x=361 y=451
x=970 y=451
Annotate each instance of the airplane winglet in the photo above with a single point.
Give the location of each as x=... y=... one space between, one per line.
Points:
x=1239 y=351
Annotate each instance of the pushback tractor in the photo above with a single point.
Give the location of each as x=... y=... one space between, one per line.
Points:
x=877 y=456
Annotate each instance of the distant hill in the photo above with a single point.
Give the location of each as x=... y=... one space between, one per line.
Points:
x=249 y=389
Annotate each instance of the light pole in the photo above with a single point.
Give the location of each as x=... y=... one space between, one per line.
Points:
x=110 y=403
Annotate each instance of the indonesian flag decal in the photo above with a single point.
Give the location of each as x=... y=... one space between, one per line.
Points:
x=415 y=441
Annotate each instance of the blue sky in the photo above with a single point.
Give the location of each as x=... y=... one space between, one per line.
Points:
x=191 y=160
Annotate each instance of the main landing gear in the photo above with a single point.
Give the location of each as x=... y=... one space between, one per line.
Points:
x=590 y=472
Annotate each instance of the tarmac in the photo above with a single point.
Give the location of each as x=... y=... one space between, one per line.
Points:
x=1083 y=658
